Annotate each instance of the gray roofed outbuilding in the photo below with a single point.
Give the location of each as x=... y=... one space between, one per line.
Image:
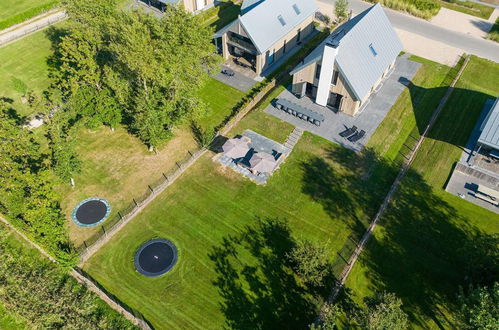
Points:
x=262 y=162
x=235 y=148
x=367 y=44
x=490 y=129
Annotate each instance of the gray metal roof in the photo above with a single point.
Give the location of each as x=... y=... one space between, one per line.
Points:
x=490 y=133
x=262 y=20
x=367 y=44
x=248 y=4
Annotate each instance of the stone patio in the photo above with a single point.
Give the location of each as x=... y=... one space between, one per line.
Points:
x=369 y=116
x=259 y=143
x=241 y=80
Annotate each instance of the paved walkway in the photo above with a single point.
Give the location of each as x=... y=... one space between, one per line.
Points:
x=33 y=25
x=466 y=43
x=369 y=117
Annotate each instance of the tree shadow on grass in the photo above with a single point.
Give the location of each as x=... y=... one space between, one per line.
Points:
x=350 y=186
x=256 y=283
x=425 y=249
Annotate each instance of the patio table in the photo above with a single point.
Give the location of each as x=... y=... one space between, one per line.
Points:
x=300 y=111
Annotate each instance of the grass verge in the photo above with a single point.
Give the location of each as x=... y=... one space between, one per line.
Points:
x=494 y=32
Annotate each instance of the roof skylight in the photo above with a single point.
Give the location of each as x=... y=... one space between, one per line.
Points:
x=371 y=47
x=283 y=22
x=297 y=10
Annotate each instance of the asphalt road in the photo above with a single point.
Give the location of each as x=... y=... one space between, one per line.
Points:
x=469 y=44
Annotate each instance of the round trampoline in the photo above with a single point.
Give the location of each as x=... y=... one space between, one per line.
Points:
x=91 y=212
x=156 y=257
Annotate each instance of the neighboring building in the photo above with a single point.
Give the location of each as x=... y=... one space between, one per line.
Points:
x=189 y=5
x=489 y=131
x=266 y=30
x=346 y=68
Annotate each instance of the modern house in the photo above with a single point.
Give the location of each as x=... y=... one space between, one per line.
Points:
x=265 y=31
x=189 y=5
x=349 y=65
x=489 y=132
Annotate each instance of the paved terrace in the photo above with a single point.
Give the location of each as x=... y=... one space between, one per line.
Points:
x=259 y=143
x=370 y=116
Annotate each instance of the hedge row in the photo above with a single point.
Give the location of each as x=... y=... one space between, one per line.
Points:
x=30 y=13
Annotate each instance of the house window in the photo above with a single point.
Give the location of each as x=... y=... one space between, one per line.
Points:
x=284 y=47
x=371 y=47
x=298 y=35
x=334 y=79
x=317 y=71
x=297 y=10
x=281 y=20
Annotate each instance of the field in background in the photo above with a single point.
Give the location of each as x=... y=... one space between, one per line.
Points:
x=429 y=239
x=17 y=11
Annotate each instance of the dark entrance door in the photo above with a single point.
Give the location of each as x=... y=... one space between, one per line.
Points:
x=334 y=101
x=311 y=91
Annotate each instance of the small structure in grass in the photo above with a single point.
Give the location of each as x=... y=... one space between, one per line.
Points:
x=253 y=155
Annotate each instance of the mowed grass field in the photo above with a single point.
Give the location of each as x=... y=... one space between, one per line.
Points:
x=25 y=60
x=430 y=242
x=232 y=270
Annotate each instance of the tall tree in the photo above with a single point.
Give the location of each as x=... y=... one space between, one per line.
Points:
x=479 y=307
x=310 y=262
x=27 y=194
x=383 y=312
x=131 y=65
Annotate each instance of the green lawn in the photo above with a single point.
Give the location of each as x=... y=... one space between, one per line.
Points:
x=429 y=241
x=26 y=60
x=227 y=273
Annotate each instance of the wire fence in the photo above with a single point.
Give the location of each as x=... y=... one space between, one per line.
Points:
x=129 y=210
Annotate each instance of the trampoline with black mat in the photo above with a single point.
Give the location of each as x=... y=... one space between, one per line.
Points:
x=91 y=212
x=155 y=257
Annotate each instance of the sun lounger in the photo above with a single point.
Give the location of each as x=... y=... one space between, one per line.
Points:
x=349 y=131
x=357 y=136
